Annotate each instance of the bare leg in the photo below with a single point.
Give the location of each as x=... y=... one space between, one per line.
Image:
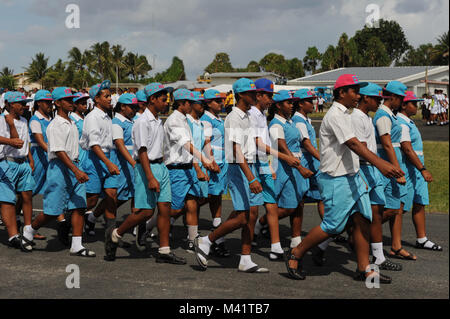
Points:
x=27 y=207
x=239 y=220
x=9 y=218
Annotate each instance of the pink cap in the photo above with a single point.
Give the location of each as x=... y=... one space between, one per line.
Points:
x=348 y=79
x=410 y=96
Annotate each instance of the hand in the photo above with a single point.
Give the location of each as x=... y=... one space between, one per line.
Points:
x=207 y=163
x=216 y=168
x=202 y=176
x=293 y=161
x=401 y=180
x=427 y=176
x=153 y=185
x=389 y=170
x=306 y=173
x=256 y=187
x=113 y=169
x=9 y=119
x=16 y=143
x=81 y=176
x=133 y=163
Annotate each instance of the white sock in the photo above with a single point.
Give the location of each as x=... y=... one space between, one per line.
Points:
x=246 y=262
x=164 y=250
x=296 y=241
x=76 y=244
x=15 y=236
x=276 y=248
x=258 y=227
x=151 y=223
x=115 y=236
x=377 y=251
x=204 y=244
x=324 y=245
x=28 y=232
x=217 y=221
x=429 y=244
x=91 y=217
x=192 y=232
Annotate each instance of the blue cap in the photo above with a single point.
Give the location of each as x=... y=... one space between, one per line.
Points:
x=17 y=97
x=372 y=89
x=128 y=98
x=212 y=94
x=184 y=94
x=244 y=85
x=304 y=94
x=62 y=93
x=198 y=97
x=43 y=95
x=264 y=85
x=7 y=94
x=79 y=96
x=396 y=87
x=141 y=96
x=154 y=88
x=282 y=95
x=93 y=92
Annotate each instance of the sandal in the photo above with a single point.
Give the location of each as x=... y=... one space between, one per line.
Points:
x=396 y=254
x=422 y=246
x=387 y=265
x=199 y=254
x=25 y=244
x=294 y=273
x=84 y=253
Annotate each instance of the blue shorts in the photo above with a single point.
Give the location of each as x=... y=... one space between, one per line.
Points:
x=125 y=180
x=290 y=186
x=7 y=188
x=268 y=184
x=144 y=198
x=40 y=158
x=312 y=194
x=394 y=193
x=239 y=188
x=63 y=191
x=374 y=179
x=19 y=178
x=99 y=176
x=200 y=188
x=218 y=181
x=417 y=189
x=181 y=183
x=342 y=197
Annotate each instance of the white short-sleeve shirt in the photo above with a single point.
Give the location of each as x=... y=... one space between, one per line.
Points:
x=384 y=124
x=62 y=136
x=3 y=130
x=148 y=132
x=405 y=135
x=364 y=129
x=336 y=159
x=302 y=126
x=35 y=126
x=238 y=130
x=22 y=129
x=117 y=130
x=97 y=130
x=260 y=129
x=176 y=134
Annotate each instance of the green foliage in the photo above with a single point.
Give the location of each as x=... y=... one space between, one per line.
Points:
x=7 y=80
x=329 y=59
x=174 y=73
x=312 y=59
x=375 y=54
x=38 y=68
x=221 y=63
x=253 y=66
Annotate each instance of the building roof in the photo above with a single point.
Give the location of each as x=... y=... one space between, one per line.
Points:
x=190 y=85
x=367 y=73
x=241 y=74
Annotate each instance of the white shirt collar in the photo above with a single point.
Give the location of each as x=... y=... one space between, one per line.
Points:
x=211 y=115
x=122 y=118
x=403 y=116
x=60 y=118
x=341 y=107
x=76 y=116
x=386 y=109
x=282 y=119
x=301 y=115
x=40 y=116
x=189 y=116
x=149 y=115
x=358 y=110
x=241 y=113
x=103 y=113
x=179 y=114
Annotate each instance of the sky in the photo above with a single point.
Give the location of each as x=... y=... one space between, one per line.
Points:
x=195 y=30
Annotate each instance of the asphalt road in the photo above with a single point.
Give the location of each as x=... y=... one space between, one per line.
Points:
x=135 y=275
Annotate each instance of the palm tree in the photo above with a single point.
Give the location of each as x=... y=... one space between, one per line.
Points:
x=38 y=68
x=100 y=60
x=441 y=50
x=7 y=79
x=136 y=65
x=117 y=59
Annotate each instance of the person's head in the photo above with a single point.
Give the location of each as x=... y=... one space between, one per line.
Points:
x=17 y=103
x=157 y=96
x=184 y=100
x=214 y=101
x=119 y=91
x=409 y=105
x=80 y=103
x=43 y=102
x=198 y=107
x=346 y=90
x=142 y=100
x=371 y=97
x=283 y=104
x=63 y=99
x=101 y=95
x=304 y=101
x=265 y=93
x=127 y=105
x=244 y=93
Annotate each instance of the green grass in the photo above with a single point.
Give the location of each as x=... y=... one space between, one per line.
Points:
x=436 y=161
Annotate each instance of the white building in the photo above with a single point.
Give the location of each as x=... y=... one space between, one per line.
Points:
x=412 y=76
x=231 y=77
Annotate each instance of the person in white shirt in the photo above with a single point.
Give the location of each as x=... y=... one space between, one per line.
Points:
x=342 y=189
x=98 y=141
x=19 y=175
x=320 y=102
x=66 y=182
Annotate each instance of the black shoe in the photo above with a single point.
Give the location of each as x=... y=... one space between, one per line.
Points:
x=387 y=265
x=361 y=276
x=110 y=246
x=141 y=236
x=15 y=243
x=190 y=247
x=1 y=222
x=340 y=239
x=89 y=227
x=294 y=273
x=63 y=230
x=220 y=250
x=265 y=232
x=318 y=256
x=276 y=256
x=170 y=258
